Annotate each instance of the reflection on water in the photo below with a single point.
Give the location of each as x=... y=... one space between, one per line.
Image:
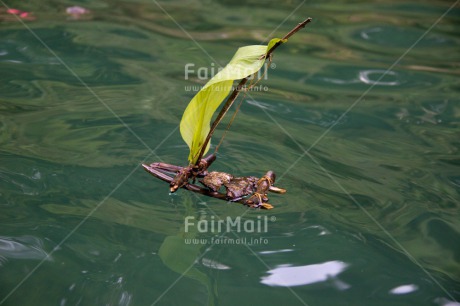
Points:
x=25 y=247
x=209 y=263
x=365 y=77
x=64 y=154
x=285 y=275
x=404 y=289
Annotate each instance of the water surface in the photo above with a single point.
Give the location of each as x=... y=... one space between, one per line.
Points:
x=359 y=119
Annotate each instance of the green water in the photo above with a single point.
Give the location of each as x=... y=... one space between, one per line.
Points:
x=369 y=156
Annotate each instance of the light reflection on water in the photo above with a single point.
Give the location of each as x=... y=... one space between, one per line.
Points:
x=26 y=247
x=286 y=275
x=62 y=152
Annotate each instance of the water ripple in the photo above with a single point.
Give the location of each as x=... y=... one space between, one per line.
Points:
x=365 y=77
x=24 y=247
x=31 y=184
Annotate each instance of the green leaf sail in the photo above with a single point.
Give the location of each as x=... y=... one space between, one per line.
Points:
x=196 y=120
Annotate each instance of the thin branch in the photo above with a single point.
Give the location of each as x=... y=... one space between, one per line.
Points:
x=286 y=37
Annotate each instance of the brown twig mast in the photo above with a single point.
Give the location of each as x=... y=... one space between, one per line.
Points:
x=240 y=86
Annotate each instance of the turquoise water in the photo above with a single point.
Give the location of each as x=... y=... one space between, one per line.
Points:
x=359 y=118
